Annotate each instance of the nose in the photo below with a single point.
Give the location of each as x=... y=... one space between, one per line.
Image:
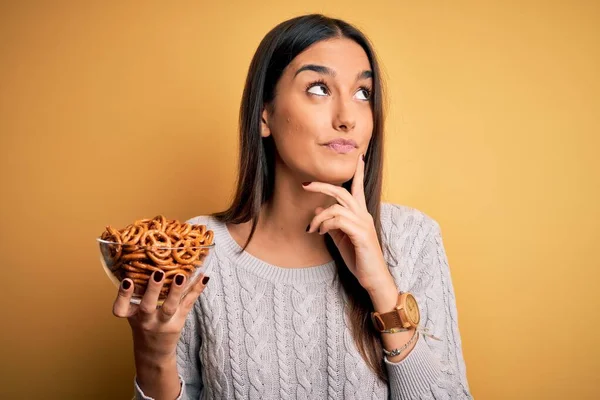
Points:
x=344 y=119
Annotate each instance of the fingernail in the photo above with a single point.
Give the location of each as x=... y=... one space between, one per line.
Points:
x=125 y=284
x=179 y=280
x=205 y=280
x=158 y=275
x=306 y=183
x=308 y=228
x=363 y=157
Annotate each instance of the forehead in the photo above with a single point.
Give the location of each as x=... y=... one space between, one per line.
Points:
x=343 y=55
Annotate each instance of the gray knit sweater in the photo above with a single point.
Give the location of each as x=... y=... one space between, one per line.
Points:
x=263 y=332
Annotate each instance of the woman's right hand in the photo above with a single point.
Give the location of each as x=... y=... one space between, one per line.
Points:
x=156 y=330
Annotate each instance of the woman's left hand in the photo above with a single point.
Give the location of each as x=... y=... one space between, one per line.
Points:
x=352 y=229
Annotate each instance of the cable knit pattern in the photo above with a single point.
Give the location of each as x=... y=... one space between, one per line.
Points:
x=263 y=332
x=306 y=341
x=254 y=316
x=213 y=332
x=284 y=358
x=188 y=355
x=354 y=366
x=333 y=307
x=232 y=302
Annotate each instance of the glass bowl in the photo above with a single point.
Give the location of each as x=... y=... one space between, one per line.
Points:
x=138 y=262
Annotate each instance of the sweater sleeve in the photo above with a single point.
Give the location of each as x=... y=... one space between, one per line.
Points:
x=433 y=369
x=188 y=362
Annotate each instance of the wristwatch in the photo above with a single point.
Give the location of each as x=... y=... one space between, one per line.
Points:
x=405 y=316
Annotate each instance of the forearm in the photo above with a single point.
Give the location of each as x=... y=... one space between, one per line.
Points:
x=158 y=379
x=384 y=298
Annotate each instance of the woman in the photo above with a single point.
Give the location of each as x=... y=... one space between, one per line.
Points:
x=288 y=312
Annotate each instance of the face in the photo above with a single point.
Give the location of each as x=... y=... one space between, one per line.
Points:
x=321 y=118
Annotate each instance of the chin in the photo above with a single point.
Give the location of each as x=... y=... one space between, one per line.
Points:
x=335 y=176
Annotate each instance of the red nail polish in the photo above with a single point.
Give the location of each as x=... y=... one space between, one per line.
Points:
x=308 y=228
x=205 y=280
x=179 y=280
x=125 y=284
x=306 y=183
x=158 y=275
x=363 y=157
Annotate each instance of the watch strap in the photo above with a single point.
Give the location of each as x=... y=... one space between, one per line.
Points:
x=390 y=320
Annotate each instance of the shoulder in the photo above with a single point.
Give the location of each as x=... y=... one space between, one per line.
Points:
x=394 y=214
x=404 y=232
x=201 y=220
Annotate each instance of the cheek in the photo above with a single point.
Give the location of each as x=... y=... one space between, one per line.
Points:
x=294 y=143
x=309 y=122
x=296 y=129
x=367 y=121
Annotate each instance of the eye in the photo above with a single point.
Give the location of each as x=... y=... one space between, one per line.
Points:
x=363 y=93
x=318 y=89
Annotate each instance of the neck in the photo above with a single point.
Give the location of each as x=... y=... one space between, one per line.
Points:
x=290 y=210
x=280 y=237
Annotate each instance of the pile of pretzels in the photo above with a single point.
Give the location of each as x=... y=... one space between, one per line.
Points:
x=157 y=244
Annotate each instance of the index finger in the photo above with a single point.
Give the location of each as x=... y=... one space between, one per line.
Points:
x=195 y=291
x=358 y=185
x=339 y=193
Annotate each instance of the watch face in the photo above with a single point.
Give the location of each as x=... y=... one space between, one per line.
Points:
x=412 y=309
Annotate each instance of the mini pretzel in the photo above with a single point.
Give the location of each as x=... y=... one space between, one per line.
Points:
x=133 y=256
x=137 y=275
x=112 y=235
x=208 y=238
x=154 y=237
x=148 y=245
x=144 y=266
x=157 y=245
x=159 y=223
x=186 y=251
x=133 y=235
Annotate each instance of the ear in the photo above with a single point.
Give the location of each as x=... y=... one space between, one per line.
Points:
x=265 y=131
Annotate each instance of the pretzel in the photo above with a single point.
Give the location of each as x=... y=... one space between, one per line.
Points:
x=158 y=244
x=132 y=234
x=186 y=251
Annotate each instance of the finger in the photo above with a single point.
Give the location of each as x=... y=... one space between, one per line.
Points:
x=351 y=229
x=149 y=301
x=328 y=213
x=171 y=304
x=358 y=183
x=337 y=192
x=122 y=305
x=190 y=298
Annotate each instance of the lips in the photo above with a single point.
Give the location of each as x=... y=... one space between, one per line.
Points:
x=342 y=142
x=341 y=146
x=342 y=149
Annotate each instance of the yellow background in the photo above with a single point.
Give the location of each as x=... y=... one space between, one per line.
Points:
x=112 y=110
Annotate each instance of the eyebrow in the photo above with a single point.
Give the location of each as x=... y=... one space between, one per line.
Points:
x=323 y=70
x=364 y=75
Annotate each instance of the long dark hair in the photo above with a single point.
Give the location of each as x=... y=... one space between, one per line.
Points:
x=255 y=183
